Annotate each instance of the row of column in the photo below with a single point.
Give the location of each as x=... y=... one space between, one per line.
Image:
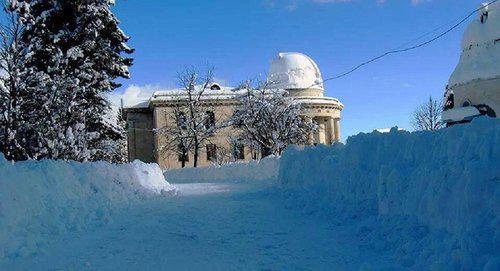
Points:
x=328 y=132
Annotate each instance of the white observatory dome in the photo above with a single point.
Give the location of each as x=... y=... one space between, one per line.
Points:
x=480 y=58
x=295 y=71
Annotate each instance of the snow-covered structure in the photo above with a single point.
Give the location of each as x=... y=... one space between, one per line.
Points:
x=474 y=86
x=296 y=73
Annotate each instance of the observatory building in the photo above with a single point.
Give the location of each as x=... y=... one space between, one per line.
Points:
x=474 y=86
x=294 y=72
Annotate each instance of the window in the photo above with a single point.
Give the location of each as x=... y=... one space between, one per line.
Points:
x=215 y=87
x=180 y=118
x=130 y=125
x=238 y=150
x=210 y=120
x=450 y=101
x=484 y=16
x=238 y=119
x=211 y=152
x=183 y=155
x=265 y=152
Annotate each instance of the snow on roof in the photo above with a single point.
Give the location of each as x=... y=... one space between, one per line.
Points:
x=480 y=58
x=223 y=93
x=485 y=28
x=294 y=71
x=137 y=104
x=317 y=100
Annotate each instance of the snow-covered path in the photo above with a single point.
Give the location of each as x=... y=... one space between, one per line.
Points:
x=209 y=227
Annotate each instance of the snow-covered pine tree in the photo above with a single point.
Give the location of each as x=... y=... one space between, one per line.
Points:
x=11 y=95
x=113 y=148
x=103 y=48
x=75 y=54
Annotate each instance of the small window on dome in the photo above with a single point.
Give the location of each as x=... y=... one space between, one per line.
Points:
x=215 y=87
x=484 y=17
x=483 y=12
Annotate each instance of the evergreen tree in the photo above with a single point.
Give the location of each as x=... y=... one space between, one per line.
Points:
x=74 y=56
x=113 y=147
x=14 y=98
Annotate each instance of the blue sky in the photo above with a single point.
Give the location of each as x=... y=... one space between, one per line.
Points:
x=241 y=37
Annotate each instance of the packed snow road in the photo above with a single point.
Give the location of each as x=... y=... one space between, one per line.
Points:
x=208 y=227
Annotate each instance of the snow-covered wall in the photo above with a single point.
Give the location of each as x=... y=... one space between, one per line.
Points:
x=264 y=170
x=448 y=180
x=42 y=200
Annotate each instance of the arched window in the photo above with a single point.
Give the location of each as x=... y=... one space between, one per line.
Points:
x=215 y=86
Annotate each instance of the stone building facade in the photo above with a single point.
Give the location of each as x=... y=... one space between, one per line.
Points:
x=295 y=72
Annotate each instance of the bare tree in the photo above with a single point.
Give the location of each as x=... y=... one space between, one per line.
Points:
x=194 y=122
x=270 y=120
x=11 y=94
x=223 y=156
x=427 y=117
x=175 y=134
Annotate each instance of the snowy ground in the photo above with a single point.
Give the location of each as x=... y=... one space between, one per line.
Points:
x=225 y=226
x=395 y=201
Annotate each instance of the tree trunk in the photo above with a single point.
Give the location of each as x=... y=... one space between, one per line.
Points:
x=196 y=151
x=195 y=157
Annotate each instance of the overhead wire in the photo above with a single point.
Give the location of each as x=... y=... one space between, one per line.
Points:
x=401 y=48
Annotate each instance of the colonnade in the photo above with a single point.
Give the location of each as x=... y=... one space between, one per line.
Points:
x=328 y=131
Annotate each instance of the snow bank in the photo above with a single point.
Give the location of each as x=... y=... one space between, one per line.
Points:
x=447 y=181
x=266 y=169
x=41 y=200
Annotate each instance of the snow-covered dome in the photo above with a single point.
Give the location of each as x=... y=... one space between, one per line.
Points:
x=485 y=28
x=480 y=57
x=295 y=71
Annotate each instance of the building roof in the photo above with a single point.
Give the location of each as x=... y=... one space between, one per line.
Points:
x=290 y=71
x=224 y=93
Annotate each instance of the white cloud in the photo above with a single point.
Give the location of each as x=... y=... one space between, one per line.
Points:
x=292 y=5
x=413 y=2
x=330 y=1
x=418 y=2
x=132 y=95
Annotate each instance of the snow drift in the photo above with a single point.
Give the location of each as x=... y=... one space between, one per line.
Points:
x=447 y=181
x=42 y=200
x=263 y=170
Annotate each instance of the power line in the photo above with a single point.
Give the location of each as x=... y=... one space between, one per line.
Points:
x=397 y=50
